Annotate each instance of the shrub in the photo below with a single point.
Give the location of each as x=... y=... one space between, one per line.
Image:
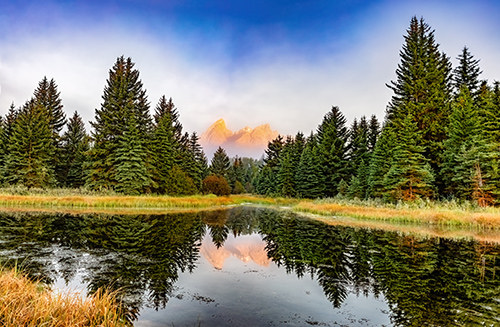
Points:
x=216 y=185
x=238 y=188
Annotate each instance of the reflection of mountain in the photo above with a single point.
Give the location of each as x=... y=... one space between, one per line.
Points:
x=247 y=142
x=246 y=248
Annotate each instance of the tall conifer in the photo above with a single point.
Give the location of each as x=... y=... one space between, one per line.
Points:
x=124 y=100
x=422 y=89
x=30 y=152
x=466 y=74
x=75 y=145
x=410 y=176
x=333 y=136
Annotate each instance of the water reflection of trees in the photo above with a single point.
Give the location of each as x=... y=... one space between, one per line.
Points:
x=426 y=281
x=141 y=256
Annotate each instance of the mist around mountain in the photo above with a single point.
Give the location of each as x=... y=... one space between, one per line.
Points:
x=247 y=142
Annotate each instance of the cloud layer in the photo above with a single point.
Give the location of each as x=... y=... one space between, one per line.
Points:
x=281 y=83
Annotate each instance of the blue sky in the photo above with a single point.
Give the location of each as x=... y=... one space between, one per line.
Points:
x=250 y=62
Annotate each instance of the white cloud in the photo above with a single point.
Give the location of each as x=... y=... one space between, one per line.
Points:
x=290 y=92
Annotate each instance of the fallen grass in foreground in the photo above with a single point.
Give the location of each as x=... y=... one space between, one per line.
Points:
x=26 y=303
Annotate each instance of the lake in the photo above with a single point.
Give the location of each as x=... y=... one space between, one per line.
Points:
x=248 y=266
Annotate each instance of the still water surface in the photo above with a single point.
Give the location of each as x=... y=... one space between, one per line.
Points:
x=259 y=267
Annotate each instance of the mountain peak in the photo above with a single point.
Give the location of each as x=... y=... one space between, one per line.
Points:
x=217 y=133
x=247 y=141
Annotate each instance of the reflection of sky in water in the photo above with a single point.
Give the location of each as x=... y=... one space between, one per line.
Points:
x=235 y=286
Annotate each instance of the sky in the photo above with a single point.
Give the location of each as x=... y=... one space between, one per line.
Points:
x=282 y=62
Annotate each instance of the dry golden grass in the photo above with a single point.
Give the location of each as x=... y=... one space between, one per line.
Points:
x=117 y=201
x=24 y=303
x=427 y=216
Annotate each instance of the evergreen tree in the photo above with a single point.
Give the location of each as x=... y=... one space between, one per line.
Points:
x=381 y=162
x=423 y=90
x=268 y=184
x=30 y=151
x=179 y=183
x=167 y=107
x=163 y=146
x=124 y=100
x=410 y=176
x=332 y=150
x=220 y=163
x=471 y=156
x=236 y=173
x=358 y=145
x=47 y=95
x=265 y=181
x=9 y=121
x=466 y=74
x=464 y=124
x=373 y=133
x=75 y=145
x=358 y=188
x=285 y=183
x=132 y=176
x=194 y=162
x=310 y=176
x=487 y=102
x=5 y=137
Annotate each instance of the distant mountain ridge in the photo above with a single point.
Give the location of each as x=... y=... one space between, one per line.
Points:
x=247 y=142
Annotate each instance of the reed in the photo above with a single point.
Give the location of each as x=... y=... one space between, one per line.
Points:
x=27 y=303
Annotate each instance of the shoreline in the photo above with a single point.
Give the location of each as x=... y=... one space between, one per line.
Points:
x=422 y=214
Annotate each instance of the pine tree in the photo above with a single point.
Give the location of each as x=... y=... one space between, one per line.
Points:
x=179 y=183
x=272 y=154
x=75 y=145
x=471 y=157
x=464 y=123
x=168 y=107
x=310 y=177
x=358 y=144
x=123 y=100
x=423 y=90
x=333 y=138
x=410 y=176
x=193 y=160
x=466 y=74
x=381 y=162
x=132 y=176
x=5 y=139
x=47 y=95
x=358 y=188
x=164 y=147
x=476 y=173
x=373 y=133
x=220 y=163
x=30 y=151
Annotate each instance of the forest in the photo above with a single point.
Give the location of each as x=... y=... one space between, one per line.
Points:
x=439 y=139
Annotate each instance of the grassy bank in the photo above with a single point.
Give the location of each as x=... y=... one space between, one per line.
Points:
x=449 y=213
x=27 y=303
x=100 y=200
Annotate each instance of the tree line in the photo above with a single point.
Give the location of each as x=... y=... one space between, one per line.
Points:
x=440 y=138
x=128 y=150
